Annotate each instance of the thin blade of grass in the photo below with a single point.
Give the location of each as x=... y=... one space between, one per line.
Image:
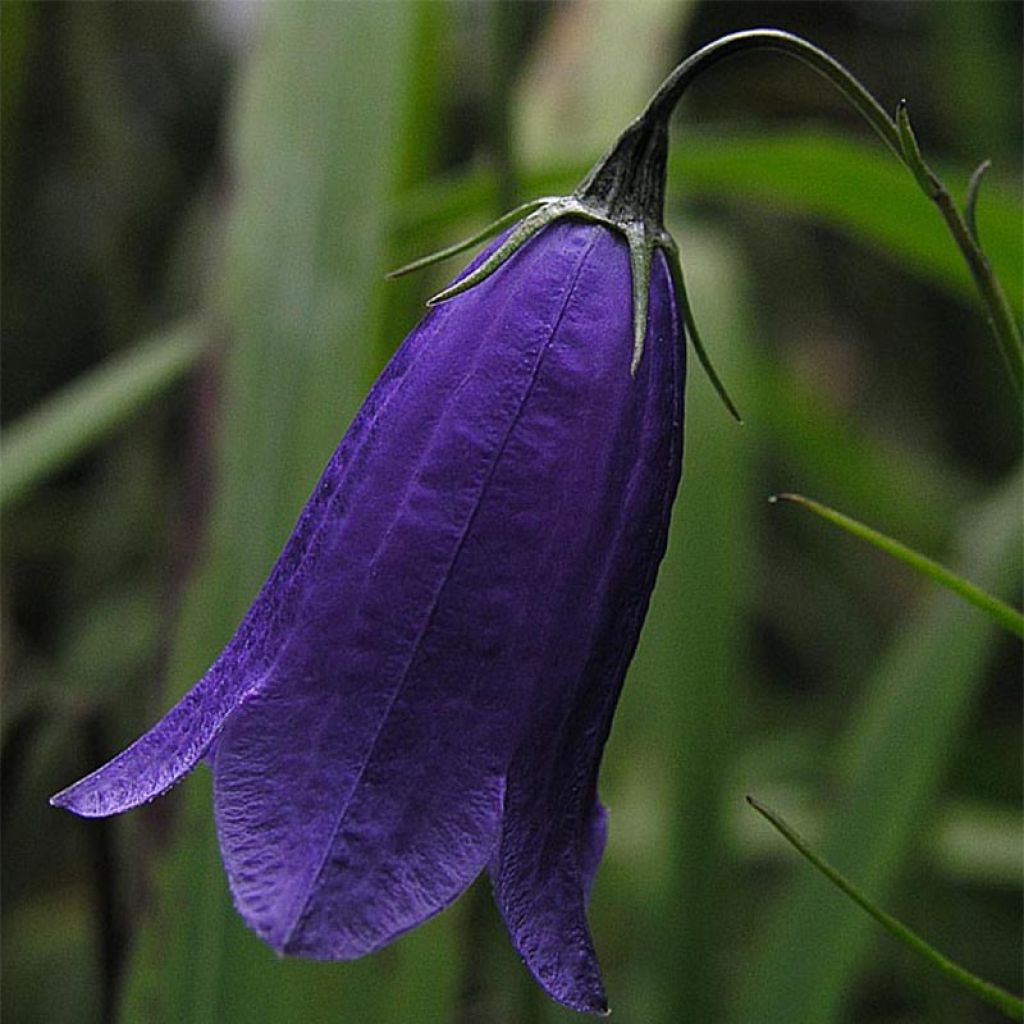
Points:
x=978 y=987
x=885 y=775
x=1007 y=617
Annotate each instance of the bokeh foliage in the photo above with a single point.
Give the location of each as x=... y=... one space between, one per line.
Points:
x=198 y=209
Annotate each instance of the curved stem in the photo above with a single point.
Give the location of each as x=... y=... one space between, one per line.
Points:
x=670 y=91
x=896 y=134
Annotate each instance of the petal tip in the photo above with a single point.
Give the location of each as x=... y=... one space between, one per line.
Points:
x=596 y=1004
x=579 y=990
x=67 y=800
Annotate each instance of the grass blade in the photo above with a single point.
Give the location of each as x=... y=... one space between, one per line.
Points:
x=1009 y=618
x=984 y=990
x=885 y=773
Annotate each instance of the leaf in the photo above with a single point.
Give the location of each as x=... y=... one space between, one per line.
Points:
x=92 y=407
x=1010 y=1005
x=314 y=146
x=862 y=190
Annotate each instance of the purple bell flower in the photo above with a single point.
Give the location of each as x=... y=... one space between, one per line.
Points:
x=424 y=685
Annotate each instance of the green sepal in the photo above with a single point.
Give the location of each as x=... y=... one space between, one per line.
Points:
x=690 y=328
x=492 y=229
x=517 y=238
x=641 y=255
x=642 y=238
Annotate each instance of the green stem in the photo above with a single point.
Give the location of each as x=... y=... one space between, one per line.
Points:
x=1000 y=316
x=672 y=89
x=984 y=990
x=1006 y=616
x=896 y=135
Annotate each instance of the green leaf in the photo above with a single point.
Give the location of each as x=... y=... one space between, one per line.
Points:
x=859 y=189
x=315 y=149
x=971 y=843
x=90 y=409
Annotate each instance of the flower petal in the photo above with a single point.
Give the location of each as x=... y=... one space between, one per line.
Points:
x=361 y=789
x=173 y=747
x=621 y=453
x=592 y=844
x=166 y=753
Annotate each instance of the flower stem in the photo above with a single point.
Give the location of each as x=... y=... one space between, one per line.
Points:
x=998 y=997
x=672 y=89
x=896 y=134
x=1000 y=316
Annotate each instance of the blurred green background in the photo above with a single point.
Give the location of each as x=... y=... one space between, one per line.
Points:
x=199 y=204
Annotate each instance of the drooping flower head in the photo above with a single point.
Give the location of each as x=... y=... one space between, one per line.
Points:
x=423 y=686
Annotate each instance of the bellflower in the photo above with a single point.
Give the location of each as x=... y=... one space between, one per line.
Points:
x=422 y=689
